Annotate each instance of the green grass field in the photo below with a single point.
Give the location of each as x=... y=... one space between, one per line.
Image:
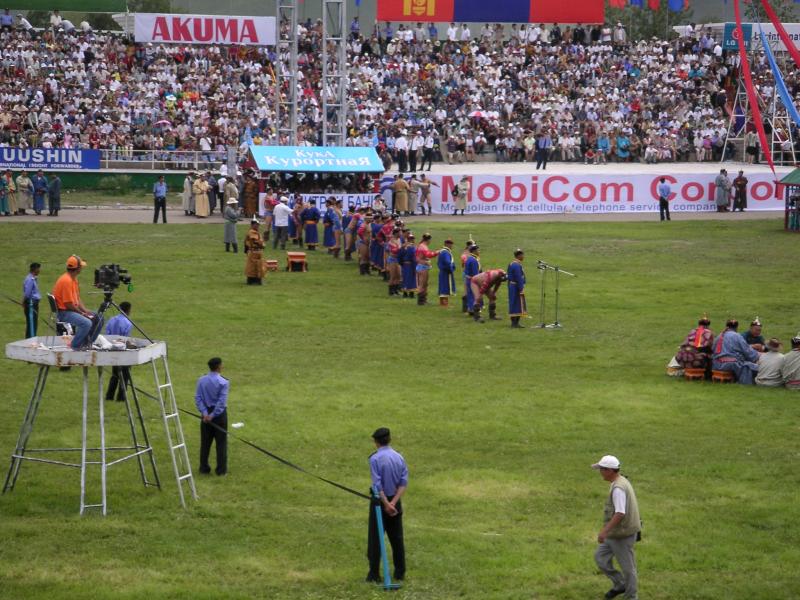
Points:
x=499 y=426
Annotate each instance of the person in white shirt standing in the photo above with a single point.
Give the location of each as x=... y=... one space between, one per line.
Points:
x=280 y=217
x=417 y=143
x=427 y=151
x=401 y=146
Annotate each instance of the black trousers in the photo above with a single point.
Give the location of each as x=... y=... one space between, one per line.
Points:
x=541 y=157
x=394 y=531
x=209 y=434
x=663 y=209
x=31 y=310
x=402 y=160
x=412 y=159
x=53 y=205
x=160 y=204
x=120 y=376
x=427 y=157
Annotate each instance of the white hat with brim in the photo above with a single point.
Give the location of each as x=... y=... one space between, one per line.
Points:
x=607 y=462
x=232 y=201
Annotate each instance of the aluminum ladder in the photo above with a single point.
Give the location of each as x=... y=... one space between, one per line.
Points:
x=165 y=396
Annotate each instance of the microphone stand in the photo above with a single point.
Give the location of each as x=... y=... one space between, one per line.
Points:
x=545 y=267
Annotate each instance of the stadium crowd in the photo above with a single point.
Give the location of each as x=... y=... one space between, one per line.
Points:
x=533 y=92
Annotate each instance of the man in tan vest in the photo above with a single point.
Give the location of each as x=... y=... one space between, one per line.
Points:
x=620 y=530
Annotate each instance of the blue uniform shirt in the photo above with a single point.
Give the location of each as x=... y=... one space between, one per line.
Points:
x=119 y=325
x=159 y=189
x=211 y=397
x=30 y=288
x=388 y=470
x=664 y=190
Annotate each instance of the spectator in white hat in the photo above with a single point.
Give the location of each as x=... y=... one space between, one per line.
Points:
x=621 y=529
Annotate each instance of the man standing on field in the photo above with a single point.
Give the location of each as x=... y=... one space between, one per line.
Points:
x=621 y=527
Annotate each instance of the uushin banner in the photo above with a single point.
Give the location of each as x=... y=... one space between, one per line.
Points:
x=62 y=159
x=204 y=29
x=484 y=11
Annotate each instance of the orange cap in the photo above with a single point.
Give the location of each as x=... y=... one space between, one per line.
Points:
x=74 y=262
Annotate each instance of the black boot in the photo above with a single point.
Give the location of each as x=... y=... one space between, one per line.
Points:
x=476 y=314
x=421 y=300
x=348 y=255
x=236 y=248
x=385 y=275
x=515 y=323
x=227 y=247
x=405 y=294
x=410 y=294
x=464 y=307
x=493 y=312
x=391 y=290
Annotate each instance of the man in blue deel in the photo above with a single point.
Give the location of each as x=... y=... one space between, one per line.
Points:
x=390 y=477
x=120 y=376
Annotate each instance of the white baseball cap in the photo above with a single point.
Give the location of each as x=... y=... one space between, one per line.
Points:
x=607 y=462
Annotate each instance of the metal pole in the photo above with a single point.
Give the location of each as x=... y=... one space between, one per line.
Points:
x=26 y=429
x=102 y=439
x=83 y=437
x=543 y=296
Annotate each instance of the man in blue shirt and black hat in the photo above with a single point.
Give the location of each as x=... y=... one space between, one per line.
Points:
x=211 y=399
x=389 y=475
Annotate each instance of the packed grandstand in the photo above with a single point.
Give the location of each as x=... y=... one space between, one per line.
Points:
x=492 y=92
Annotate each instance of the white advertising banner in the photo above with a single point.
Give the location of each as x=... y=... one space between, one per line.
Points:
x=587 y=194
x=204 y=29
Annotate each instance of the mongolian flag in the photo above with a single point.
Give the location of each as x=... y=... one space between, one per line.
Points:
x=654 y=4
x=483 y=11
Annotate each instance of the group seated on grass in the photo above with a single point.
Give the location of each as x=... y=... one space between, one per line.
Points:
x=747 y=356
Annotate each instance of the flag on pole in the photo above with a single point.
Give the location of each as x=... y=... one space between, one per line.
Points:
x=675 y=5
x=654 y=4
x=617 y=3
x=639 y=3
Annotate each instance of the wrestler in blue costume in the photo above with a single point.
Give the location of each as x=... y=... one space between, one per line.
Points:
x=310 y=218
x=408 y=265
x=447 y=269
x=471 y=268
x=516 y=289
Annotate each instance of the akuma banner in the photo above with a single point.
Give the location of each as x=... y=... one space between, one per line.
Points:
x=204 y=29
x=602 y=193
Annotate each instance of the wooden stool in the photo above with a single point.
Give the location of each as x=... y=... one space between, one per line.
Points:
x=694 y=374
x=272 y=265
x=722 y=377
x=296 y=261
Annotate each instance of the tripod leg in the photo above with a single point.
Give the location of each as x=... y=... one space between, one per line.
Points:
x=26 y=429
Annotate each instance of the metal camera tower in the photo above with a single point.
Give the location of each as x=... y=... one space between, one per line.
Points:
x=333 y=85
x=97 y=456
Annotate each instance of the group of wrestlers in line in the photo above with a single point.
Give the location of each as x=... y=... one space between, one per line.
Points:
x=383 y=243
x=750 y=357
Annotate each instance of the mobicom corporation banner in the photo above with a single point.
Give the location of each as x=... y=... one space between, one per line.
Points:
x=587 y=194
x=485 y=11
x=33 y=159
x=204 y=29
